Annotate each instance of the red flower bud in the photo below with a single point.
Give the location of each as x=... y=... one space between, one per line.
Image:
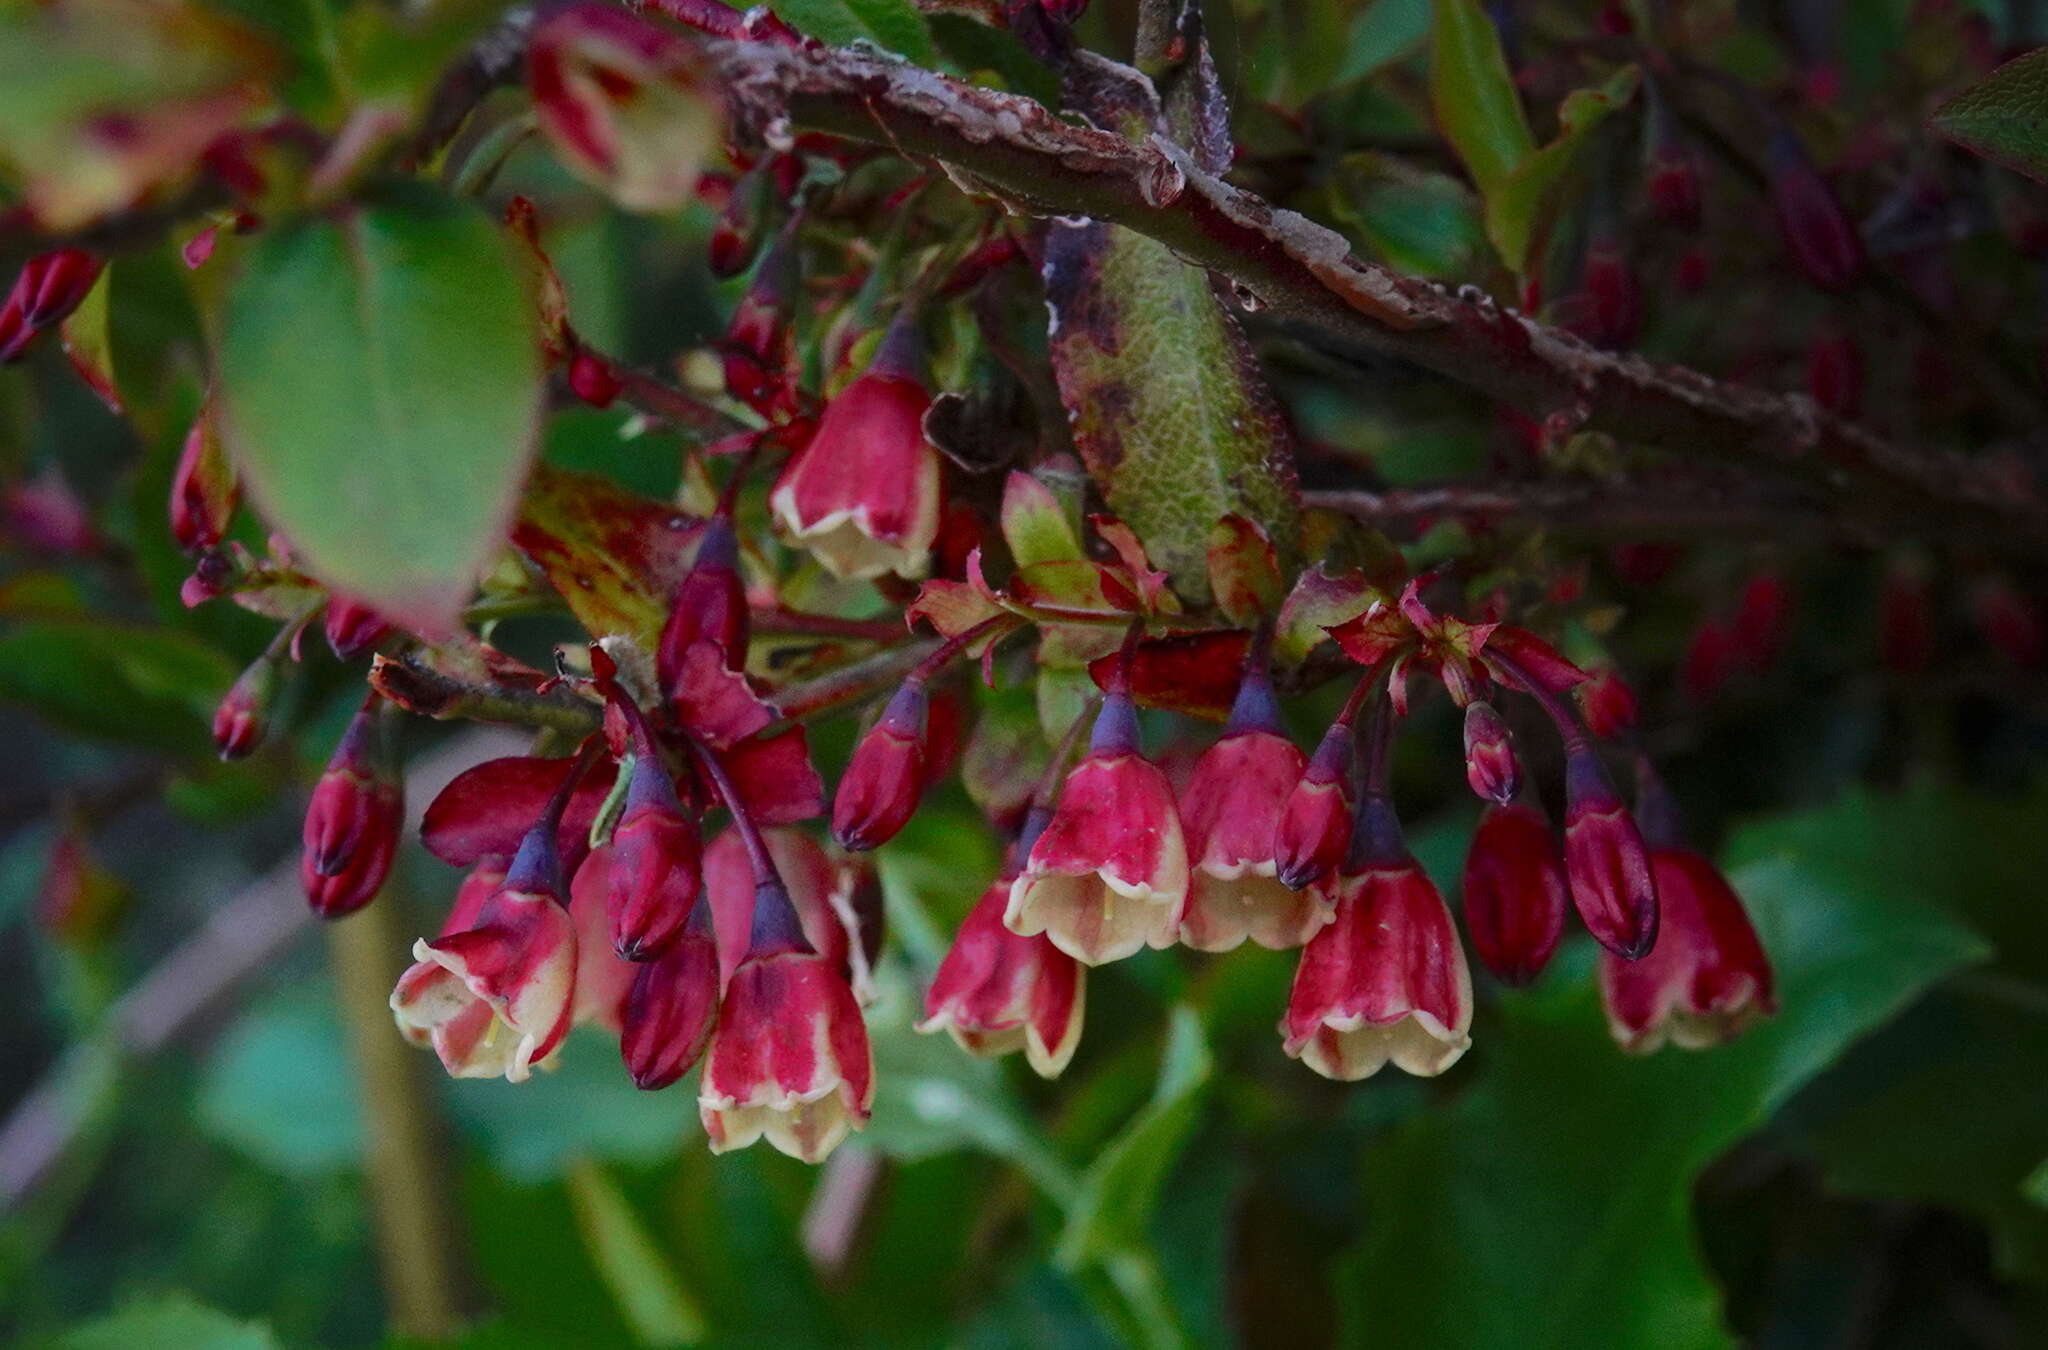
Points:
x=656 y=864
x=203 y=489
x=1606 y=702
x=49 y=286
x=1707 y=976
x=863 y=496
x=710 y=605
x=997 y=992
x=886 y=775
x=759 y=348
x=1231 y=812
x=1763 y=620
x=1490 y=765
x=592 y=379
x=1314 y=831
x=353 y=628
x=1385 y=981
x=673 y=1007
x=1818 y=233
x=352 y=824
x=1515 y=893
x=1709 y=660
x=243 y=717
x=1110 y=873
x=1605 y=861
x=1608 y=312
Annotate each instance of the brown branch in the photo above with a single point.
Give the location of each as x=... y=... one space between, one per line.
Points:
x=1645 y=508
x=1015 y=149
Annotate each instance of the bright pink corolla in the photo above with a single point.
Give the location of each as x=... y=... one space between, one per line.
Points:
x=352 y=824
x=1110 y=874
x=997 y=992
x=603 y=977
x=819 y=885
x=789 y=1059
x=863 y=496
x=1231 y=813
x=498 y=996
x=1314 y=830
x=1386 y=981
x=1515 y=893
x=1706 y=978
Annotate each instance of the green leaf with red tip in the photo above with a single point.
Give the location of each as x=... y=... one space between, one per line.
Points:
x=615 y=557
x=1244 y=573
x=2004 y=116
x=1473 y=95
x=1088 y=591
x=88 y=345
x=1321 y=600
x=1518 y=206
x=1168 y=407
x=1153 y=587
x=379 y=388
x=1036 y=525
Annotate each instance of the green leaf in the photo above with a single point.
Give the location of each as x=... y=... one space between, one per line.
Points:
x=974 y=47
x=379 y=383
x=586 y=1107
x=641 y=1276
x=1421 y=222
x=2004 y=116
x=1473 y=96
x=280 y=1088
x=1121 y=1188
x=171 y=1322
x=141 y=686
x=1517 y=206
x=1583 y=1237
x=1169 y=410
x=1383 y=33
x=897 y=26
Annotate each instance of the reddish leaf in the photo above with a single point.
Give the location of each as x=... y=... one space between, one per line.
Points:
x=1244 y=573
x=615 y=557
x=488 y=809
x=774 y=777
x=1193 y=673
x=1545 y=664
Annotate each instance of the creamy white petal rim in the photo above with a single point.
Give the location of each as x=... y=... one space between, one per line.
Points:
x=1417 y=1042
x=1223 y=911
x=1688 y=1030
x=1041 y=902
x=806 y=1125
x=518 y=1059
x=1048 y=1061
x=846 y=543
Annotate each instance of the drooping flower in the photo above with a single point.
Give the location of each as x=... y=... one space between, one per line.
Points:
x=710 y=605
x=603 y=977
x=352 y=823
x=1707 y=976
x=863 y=496
x=1385 y=981
x=789 y=1059
x=820 y=887
x=1231 y=812
x=997 y=992
x=516 y=962
x=1515 y=893
x=1110 y=874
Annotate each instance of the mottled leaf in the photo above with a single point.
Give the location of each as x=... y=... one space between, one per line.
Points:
x=615 y=557
x=1244 y=573
x=1321 y=600
x=1169 y=410
x=2004 y=116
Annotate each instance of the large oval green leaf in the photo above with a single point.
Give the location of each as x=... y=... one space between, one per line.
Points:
x=380 y=380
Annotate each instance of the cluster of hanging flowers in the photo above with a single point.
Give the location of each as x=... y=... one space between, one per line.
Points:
x=594 y=895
